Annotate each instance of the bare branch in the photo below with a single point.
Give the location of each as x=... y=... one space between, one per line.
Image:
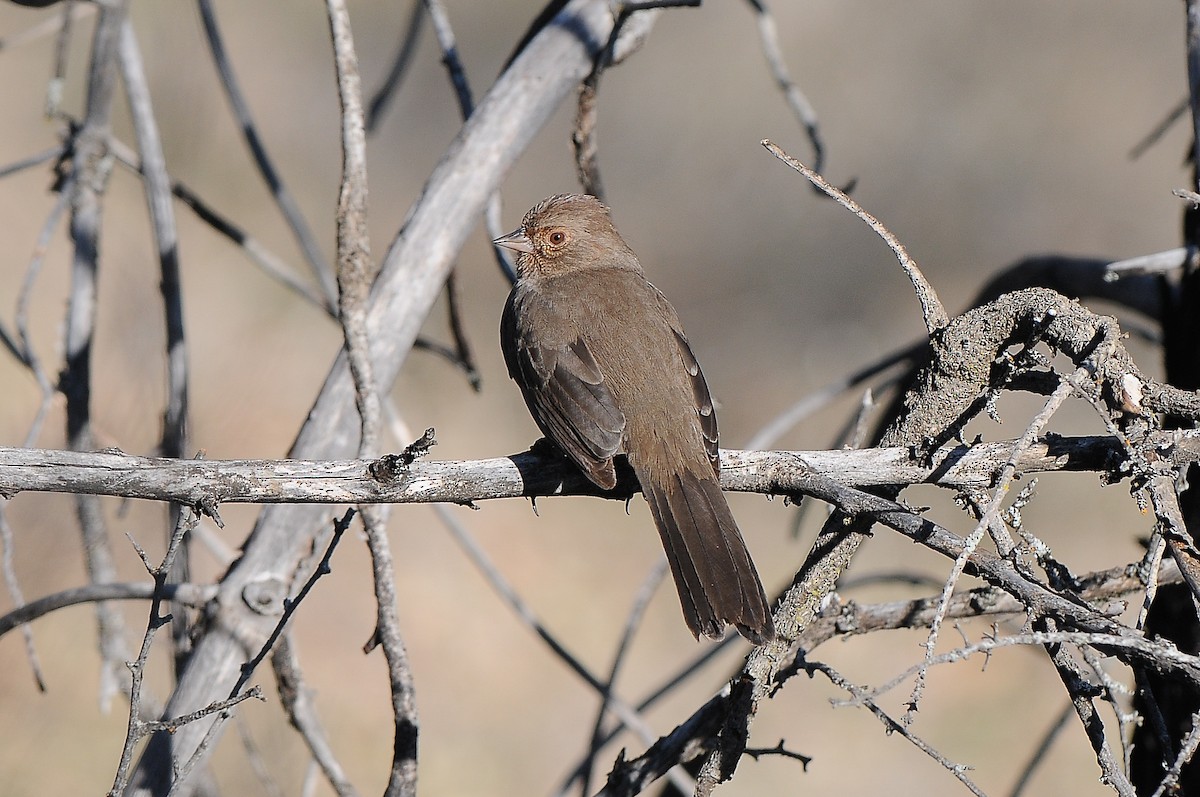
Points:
x=191 y=594
x=861 y=697
x=90 y=169
x=814 y=402
x=931 y=307
x=391 y=84
x=536 y=473
x=297 y=700
x=9 y=574
x=1187 y=751
x=283 y=197
x=137 y=727
x=1039 y=755
x=529 y=618
x=157 y=183
x=633 y=621
x=355 y=274
x=989 y=520
x=802 y=109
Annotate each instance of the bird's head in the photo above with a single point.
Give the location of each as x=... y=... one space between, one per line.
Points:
x=567 y=232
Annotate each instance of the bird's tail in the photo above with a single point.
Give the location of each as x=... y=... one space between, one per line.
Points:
x=714 y=575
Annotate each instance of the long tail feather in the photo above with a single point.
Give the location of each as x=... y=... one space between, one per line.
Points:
x=714 y=575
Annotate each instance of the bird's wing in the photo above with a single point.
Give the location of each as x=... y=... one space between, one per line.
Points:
x=704 y=404
x=567 y=396
x=703 y=399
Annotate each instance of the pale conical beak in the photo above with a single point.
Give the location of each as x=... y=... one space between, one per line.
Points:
x=516 y=240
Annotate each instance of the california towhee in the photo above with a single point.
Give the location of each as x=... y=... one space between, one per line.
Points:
x=605 y=370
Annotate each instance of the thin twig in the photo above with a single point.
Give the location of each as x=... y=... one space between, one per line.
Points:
x=1116 y=695
x=530 y=620
x=355 y=274
x=23 y=348
x=802 y=109
x=1148 y=571
x=988 y=519
x=291 y=604
x=1082 y=693
x=254 y=757
x=194 y=595
x=633 y=621
x=29 y=161
x=1043 y=748
x=852 y=618
x=157 y=184
x=466 y=106
x=1166 y=262
x=462 y=347
x=583 y=138
x=137 y=727
x=283 y=197
x=1187 y=751
x=1161 y=653
x=932 y=311
x=1174 y=530
x=254 y=249
x=9 y=573
x=1152 y=138
x=90 y=168
x=297 y=701
x=677 y=679
x=861 y=697
x=770 y=433
x=181 y=772
x=62 y=48
x=391 y=84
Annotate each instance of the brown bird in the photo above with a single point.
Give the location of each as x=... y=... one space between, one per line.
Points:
x=605 y=369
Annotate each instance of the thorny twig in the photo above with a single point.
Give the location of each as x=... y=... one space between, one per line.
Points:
x=989 y=518
x=137 y=727
x=862 y=697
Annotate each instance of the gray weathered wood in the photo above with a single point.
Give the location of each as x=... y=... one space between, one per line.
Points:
x=529 y=474
x=506 y=120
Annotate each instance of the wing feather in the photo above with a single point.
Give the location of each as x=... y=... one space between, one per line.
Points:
x=565 y=391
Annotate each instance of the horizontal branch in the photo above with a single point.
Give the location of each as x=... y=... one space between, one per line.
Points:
x=540 y=472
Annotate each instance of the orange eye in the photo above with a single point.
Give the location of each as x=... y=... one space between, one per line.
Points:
x=558 y=238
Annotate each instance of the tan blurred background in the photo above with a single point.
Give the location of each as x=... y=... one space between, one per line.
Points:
x=978 y=132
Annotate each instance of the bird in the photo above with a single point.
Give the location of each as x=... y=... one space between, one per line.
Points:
x=606 y=371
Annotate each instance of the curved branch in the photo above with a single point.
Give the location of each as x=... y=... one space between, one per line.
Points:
x=932 y=310
x=196 y=595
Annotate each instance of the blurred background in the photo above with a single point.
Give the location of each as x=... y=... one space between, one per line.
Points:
x=978 y=132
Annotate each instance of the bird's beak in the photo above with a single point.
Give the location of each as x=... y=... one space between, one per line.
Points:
x=517 y=241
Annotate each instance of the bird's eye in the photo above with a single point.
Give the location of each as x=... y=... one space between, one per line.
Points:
x=558 y=238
